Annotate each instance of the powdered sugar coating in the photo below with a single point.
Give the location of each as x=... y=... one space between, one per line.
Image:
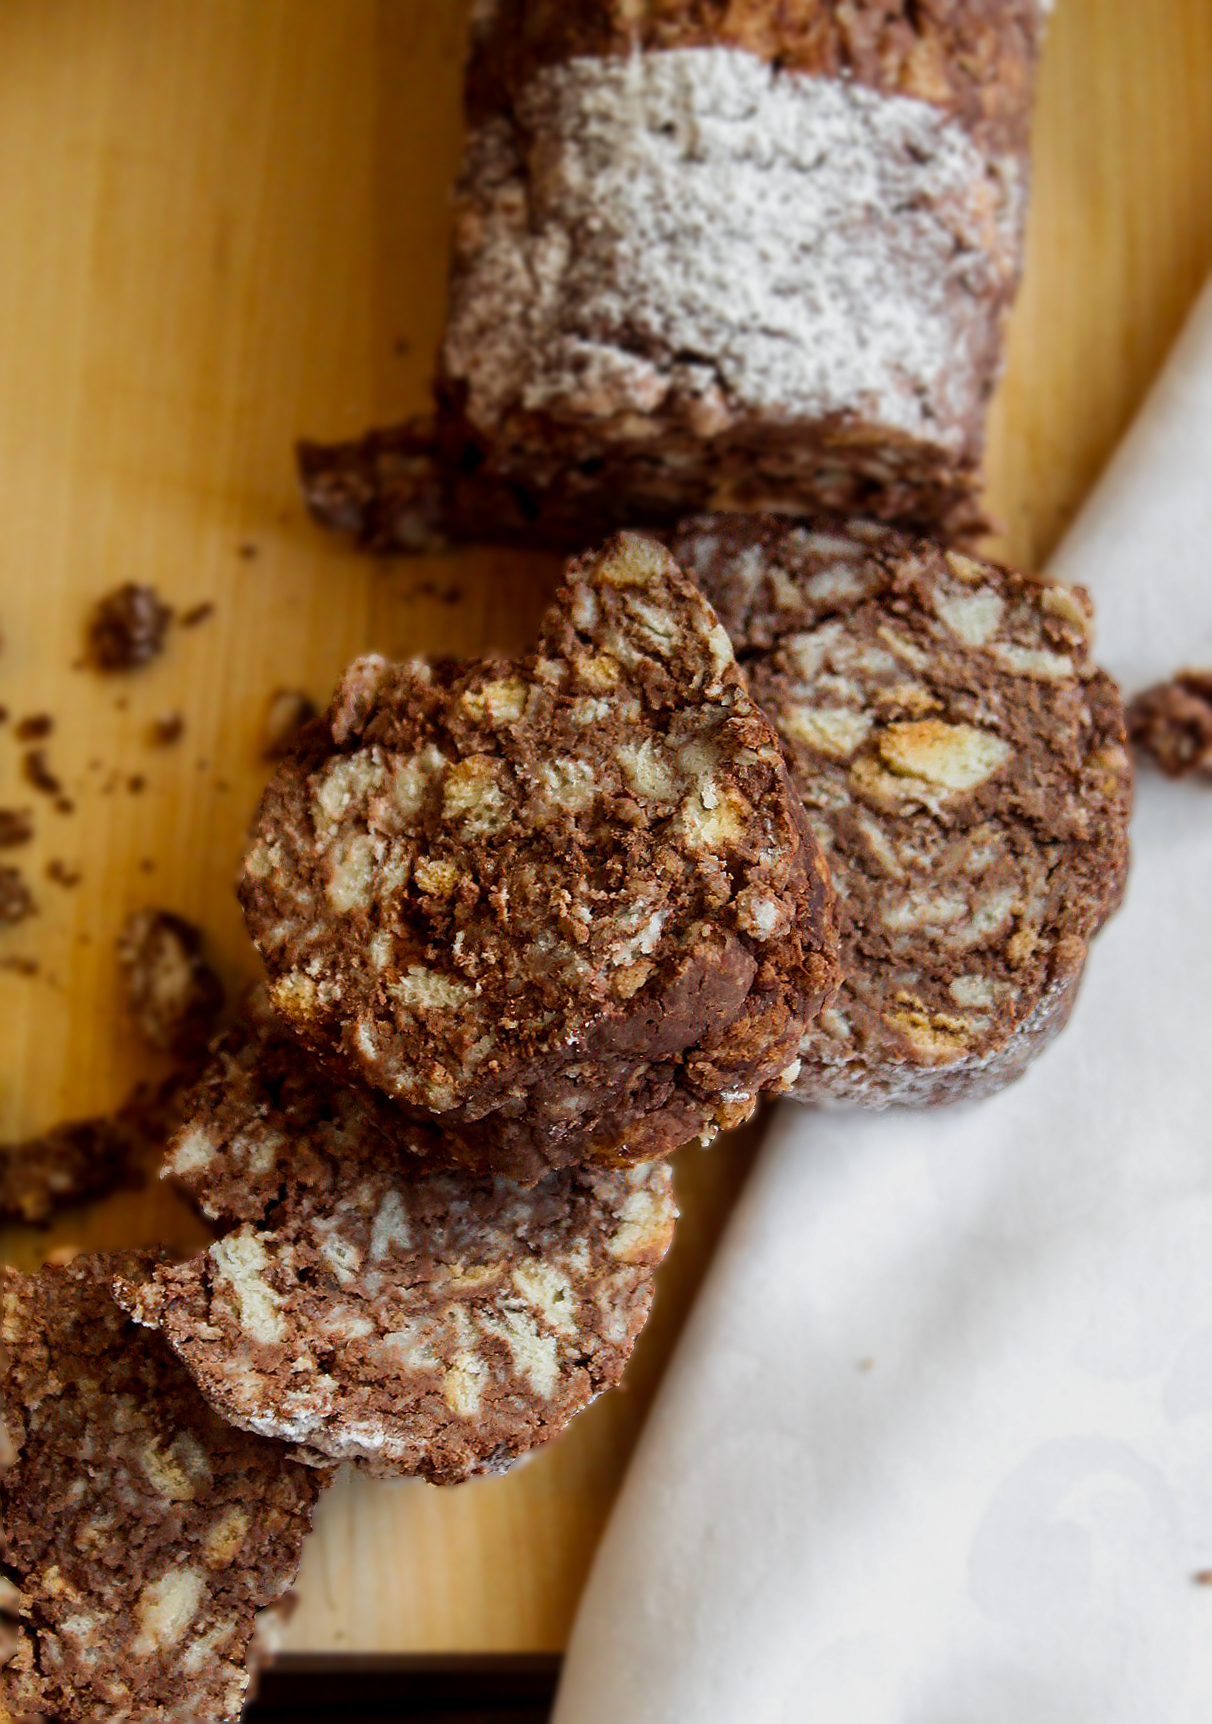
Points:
x=691 y=238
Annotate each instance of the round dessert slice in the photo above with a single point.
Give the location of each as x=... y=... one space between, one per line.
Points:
x=963 y=764
x=143 y=1533
x=369 y=1309
x=568 y=903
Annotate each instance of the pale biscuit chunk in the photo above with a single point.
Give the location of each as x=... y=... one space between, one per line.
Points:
x=367 y=1308
x=143 y=1534
x=962 y=762
x=568 y=903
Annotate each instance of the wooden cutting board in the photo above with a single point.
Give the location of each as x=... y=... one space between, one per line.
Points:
x=224 y=225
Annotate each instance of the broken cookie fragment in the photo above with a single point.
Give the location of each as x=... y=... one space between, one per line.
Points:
x=142 y=1532
x=567 y=903
x=173 y=994
x=368 y=1308
x=963 y=764
x=1171 y=723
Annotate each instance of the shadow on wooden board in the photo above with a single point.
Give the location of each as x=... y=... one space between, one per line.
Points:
x=512 y=1688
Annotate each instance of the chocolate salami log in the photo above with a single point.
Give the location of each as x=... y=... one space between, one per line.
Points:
x=709 y=255
x=369 y=1305
x=141 y=1537
x=963 y=763
x=566 y=905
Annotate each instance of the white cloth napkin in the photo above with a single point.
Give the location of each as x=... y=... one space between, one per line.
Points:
x=936 y=1446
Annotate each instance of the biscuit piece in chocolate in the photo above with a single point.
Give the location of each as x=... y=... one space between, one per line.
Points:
x=568 y=902
x=371 y=1310
x=1171 y=723
x=143 y=1533
x=173 y=994
x=127 y=628
x=963 y=764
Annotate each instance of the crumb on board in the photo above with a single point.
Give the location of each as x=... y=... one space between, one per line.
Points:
x=37 y=771
x=19 y=964
x=197 y=614
x=127 y=628
x=16 y=827
x=1171 y=723
x=33 y=727
x=165 y=730
x=62 y=873
x=16 y=900
x=173 y=994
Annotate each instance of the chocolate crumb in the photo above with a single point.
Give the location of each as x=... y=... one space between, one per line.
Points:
x=196 y=614
x=1202 y=1577
x=165 y=730
x=64 y=805
x=136 y=784
x=127 y=628
x=87 y=1158
x=173 y=994
x=1172 y=724
x=62 y=873
x=247 y=551
x=34 y=726
x=37 y=772
x=16 y=827
x=16 y=902
x=20 y=965
x=147 y=866
x=289 y=710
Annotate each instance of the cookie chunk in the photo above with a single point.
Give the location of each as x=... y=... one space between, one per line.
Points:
x=963 y=764
x=1172 y=724
x=370 y=1309
x=568 y=903
x=173 y=994
x=142 y=1532
x=714 y=254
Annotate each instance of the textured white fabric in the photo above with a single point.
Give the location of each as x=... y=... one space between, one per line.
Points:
x=936 y=1447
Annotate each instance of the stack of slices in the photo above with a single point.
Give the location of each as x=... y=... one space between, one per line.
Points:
x=790 y=798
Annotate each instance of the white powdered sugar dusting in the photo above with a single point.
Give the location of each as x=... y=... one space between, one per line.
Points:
x=693 y=236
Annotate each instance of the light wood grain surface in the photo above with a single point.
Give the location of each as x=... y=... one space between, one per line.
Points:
x=224 y=225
